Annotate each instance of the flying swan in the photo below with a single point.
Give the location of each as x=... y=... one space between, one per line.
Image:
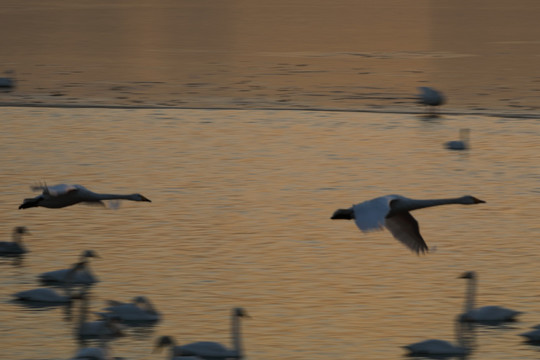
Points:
x=15 y=247
x=82 y=275
x=486 y=314
x=207 y=349
x=392 y=212
x=62 y=195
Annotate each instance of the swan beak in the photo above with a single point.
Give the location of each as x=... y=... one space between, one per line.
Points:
x=346 y=214
x=145 y=199
x=478 y=201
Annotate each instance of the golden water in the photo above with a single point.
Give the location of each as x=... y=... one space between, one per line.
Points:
x=240 y=212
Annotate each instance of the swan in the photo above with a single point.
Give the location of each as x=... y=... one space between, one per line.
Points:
x=15 y=247
x=430 y=97
x=62 y=195
x=139 y=310
x=106 y=328
x=487 y=314
x=50 y=296
x=441 y=348
x=207 y=349
x=92 y=353
x=392 y=212
x=462 y=143
x=83 y=275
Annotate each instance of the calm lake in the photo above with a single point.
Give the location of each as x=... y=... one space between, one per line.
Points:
x=248 y=124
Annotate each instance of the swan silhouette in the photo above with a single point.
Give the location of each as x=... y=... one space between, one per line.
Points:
x=62 y=195
x=207 y=349
x=485 y=314
x=430 y=97
x=15 y=247
x=462 y=143
x=109 y=327
x=139 y=310
x=82 y=275
x=50 y=296
x=392 y=212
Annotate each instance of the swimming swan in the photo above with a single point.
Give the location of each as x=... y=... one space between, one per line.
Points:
x=392 y=212
x=102 y=329
x=62 y=195
x=140 y=309
x=210 y=350
x=430 y=97
x=462 y=143
x=83 y=275
x=15 y=247
x=487 y=314
x=441 y=348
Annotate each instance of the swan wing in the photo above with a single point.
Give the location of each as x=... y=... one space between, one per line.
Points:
x=207 y=349
x=404 y=228
x=370 y=215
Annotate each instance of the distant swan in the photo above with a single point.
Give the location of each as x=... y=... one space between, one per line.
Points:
x=430 y=97
x=488 y=314
x=62 y=195
x=462 y=143
x=141 y=309
x=210 y=350
x=15 y=247
x=83 y=275
x=102 y=329
x=392 y=212
x=440 y=348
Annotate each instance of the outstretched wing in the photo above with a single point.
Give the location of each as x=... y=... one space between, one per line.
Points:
x=55 y=190
x=404 y=228
x=370 y=215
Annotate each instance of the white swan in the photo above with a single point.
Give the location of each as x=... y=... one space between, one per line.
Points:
x=441 y=348
x=15 y=247
x=102 y=329
x=430 y=97
x=139 y=310
x=392 y=212
x=462 y=143
x=487 y=314
x=83 y=275
x=207 y=349
x=62 y=195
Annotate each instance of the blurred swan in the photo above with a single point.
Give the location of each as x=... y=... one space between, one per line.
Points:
x=83 y=275
x=62 y=195
x=92 y=353
x=206 y=349
x=50 y=296
x=487 y=314
x=430 y=97
x=139 y=310
x=462 y=143
x=440 y=348
x=102 y=329
x=392 y=212
x=15 y=247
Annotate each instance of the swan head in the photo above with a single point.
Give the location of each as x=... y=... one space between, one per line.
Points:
x=240 y=312
x=89 y=254
x=469 y=200
x=21 y=230
x=139 y=197
x=468 y=275
x=163 y=342
x=346 y=214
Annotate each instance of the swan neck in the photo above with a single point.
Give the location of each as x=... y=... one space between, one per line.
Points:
x=236 y=336
x=114 y=196
x=401 y=205
x=470 y=295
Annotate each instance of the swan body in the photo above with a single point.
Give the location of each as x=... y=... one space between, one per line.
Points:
x=392 y=212
x=42 y=295
x=83 y=275
x=15 y=247
x=92 y=353
x=62 y=195
x=487 y=314
x=462 y=143
x=435 y=347
x=207 y=349
x=532 y=335
x=430 y=97
x=140 y=309
x=100 y=328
